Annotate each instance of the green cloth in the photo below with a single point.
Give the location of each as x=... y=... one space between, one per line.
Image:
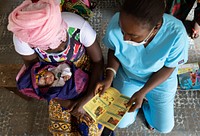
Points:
x=77 y=7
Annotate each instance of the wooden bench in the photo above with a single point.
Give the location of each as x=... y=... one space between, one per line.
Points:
x=8 y=74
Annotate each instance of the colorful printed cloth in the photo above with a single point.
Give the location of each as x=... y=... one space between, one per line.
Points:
x=72 y=88
x=181 y=8
x=62 y=123
x=80 y=7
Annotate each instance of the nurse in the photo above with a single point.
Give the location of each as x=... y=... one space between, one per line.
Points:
x=146 y=47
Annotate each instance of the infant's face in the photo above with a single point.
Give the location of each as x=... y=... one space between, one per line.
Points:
x=47 y=79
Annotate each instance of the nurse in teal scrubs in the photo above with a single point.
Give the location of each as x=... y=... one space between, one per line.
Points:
x=146 y=47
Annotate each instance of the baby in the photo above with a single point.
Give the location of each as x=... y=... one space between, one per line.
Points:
x=54 y=77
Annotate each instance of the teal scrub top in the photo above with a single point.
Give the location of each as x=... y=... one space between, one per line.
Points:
x=168 y=48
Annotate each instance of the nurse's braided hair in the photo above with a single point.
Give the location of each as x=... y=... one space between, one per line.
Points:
x=148 y=12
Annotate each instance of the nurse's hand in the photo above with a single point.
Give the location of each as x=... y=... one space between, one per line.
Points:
x=136 y=101
x=102 y=86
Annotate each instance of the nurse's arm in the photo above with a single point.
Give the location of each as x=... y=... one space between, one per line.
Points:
x=157 y=78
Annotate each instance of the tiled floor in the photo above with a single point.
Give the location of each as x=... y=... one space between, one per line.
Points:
x=19 y=117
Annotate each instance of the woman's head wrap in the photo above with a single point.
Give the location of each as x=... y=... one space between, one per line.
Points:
x=39 y=24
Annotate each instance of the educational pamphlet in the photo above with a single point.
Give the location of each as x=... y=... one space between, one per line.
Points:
x=189 y=67
x=108 y=109
x=189 y=76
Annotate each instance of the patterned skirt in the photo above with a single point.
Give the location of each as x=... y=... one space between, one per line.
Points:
x=62 y=123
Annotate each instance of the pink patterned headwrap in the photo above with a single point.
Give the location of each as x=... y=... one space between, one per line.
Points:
x=39 y=24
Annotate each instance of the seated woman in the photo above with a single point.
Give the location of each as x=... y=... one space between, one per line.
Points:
x=47 y=81
x=42 y=33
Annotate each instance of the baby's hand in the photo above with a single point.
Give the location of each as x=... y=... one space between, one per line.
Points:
x=67 y=77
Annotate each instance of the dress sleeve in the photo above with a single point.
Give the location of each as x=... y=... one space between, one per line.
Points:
x=179 y=51
x=21 y=47
x=88 y=35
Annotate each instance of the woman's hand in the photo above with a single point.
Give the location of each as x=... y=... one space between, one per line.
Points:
x=75 y=107
x=102 y=86
x=136 y=101
x=79 y=112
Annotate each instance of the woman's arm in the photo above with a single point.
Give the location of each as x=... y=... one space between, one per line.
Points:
x=30 y=59
x=95 y=53
x=113 y=63
x=156 y=79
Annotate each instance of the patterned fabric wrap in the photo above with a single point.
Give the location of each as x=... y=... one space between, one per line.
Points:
x=72 y=89
x=62 y=123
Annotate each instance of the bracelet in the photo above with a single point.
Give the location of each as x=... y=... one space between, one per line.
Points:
x=112 y=69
